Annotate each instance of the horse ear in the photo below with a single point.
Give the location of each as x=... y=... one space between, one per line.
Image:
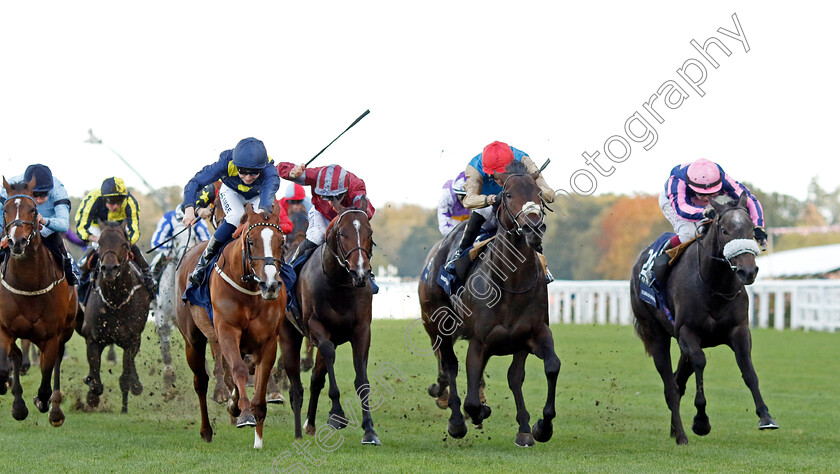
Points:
x=249 y=209
x=363 y=202
x=742 y=200
x=6 y=185
x=717 y=206
x=31 y=185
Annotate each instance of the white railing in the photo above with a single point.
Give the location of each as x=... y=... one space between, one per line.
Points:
x=812 y=305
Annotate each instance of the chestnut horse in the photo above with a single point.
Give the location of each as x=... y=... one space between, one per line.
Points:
x=116 y=311
x=335 y=299
x=710 y=307
x=503 y=309
x=249 y=300
x=36 y=303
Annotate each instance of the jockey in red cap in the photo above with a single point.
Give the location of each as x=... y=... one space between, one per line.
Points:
x=482 y=189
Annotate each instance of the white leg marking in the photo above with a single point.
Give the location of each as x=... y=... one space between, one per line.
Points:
x=257 y=440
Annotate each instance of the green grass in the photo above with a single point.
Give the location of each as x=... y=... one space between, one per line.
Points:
x=611 y=415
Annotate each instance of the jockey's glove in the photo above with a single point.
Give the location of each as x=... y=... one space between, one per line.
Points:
x=709 y=213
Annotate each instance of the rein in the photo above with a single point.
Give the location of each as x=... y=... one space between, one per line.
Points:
x=33 y=223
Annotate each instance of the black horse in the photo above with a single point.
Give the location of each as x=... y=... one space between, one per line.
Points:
x=710 y=307
x=116 y=311
x=503 y=310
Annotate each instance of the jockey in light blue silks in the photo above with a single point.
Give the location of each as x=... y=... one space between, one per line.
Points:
x=53 y=205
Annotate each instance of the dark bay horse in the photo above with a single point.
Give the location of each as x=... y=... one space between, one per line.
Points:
x=36 y=303
x=249 y=300
x=710 y=307
x=335 y=298
x=116 y=311
x=502 y=309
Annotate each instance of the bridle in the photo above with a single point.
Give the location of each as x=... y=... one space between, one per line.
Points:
x=248 y=273
x=121 y=263
x=731 y=250
x=526 y=209
x=33 y=223
x=343 y=256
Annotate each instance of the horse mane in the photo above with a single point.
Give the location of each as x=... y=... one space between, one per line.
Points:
x=516 y=168
x=20 y=186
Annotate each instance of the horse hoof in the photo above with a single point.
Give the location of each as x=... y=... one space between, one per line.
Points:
x=308 y=428
x=124 y=410
x=170 y=394
x=168 y=377
x=337 y=420
x=41 y=406
x=137 y=388
x=19 y=411
x=486 y=411
x=681 y=440
x=767 y=424
x=275 y=397
x=24 y=369
x=207 y=437
x=701 y=426
x=220 y=397
x=233 y=408
x=56 y=418
x=434 y=390
x=306 y=365
x=92 y=399
x=524 y=440
x=245 y=420
x=457 y=431
x=371 y=439
x=5 y=384
x=542 y=431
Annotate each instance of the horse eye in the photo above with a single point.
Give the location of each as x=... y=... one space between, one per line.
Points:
x=723 y=231
x=507 y=195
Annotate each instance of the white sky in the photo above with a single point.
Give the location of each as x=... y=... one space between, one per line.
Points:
x=169 y=85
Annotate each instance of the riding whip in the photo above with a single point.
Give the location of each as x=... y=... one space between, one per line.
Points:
x=339 y=135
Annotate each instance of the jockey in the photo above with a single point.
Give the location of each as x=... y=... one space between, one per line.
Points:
x=331 y=185
x=170 y=224
x=53 y=206
x=451 y=210
x=483 y=188
x=247 y=177
x=111 y=202
x=295 y=200
x=685 y=198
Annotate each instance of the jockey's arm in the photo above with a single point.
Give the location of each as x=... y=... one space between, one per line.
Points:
x=132 y=214
x=545 y=190
x=59 y=222
x=84 y=217
x=474 y=199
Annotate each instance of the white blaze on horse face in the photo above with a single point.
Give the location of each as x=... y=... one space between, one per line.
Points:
x=17 y=217
x=358 y=226
x=270 y=270
x=531 y=207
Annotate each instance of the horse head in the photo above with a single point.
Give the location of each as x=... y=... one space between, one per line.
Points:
x=20 y=213
x=350 y=239
x=114 y=248
x=521 y=210
x=262 y=242
x=732 y=232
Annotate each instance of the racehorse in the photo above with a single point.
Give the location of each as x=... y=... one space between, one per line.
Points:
x=36 y=303
x=335 y=299
x=249 y=300
x=705 y=291
x=116 y=311
x=163 y=309
x=502 y=309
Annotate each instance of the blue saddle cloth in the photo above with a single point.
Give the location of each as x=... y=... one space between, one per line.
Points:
x=200 y=295
x=651 y=290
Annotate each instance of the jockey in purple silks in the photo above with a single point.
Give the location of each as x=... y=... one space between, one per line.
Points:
x=685 y=200
x=451 y=211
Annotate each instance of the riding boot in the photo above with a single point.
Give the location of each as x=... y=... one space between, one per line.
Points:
x=305 y=248
x=471 y=231
x=213 y=247
x=69 y=273
x=662 y=265
x=157 y=270
x=148 y=281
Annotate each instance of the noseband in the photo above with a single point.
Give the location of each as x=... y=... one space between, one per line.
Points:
x=33 y=223
x=343 y=256
x=248 y=273
x=734 y=247
x=530 y=208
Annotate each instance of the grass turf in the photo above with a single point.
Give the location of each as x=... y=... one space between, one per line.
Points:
x=611 y=414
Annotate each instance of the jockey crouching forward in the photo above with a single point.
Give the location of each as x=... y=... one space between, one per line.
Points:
x=482 y=190
x=247 y=177
x=331 y=185
x=685 y=200
x=53 y=206
x=171 y=224
x=111 y=202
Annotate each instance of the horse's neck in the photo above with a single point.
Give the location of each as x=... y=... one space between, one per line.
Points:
x=510 y=253
x=715 y=273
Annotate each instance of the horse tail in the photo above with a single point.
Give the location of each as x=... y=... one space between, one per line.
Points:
x=644 y=333
x=643 y=318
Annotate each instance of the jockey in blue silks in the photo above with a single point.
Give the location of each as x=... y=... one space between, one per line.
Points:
x=53 y=205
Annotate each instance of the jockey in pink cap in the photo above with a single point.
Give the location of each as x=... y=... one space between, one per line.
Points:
x=687 y=193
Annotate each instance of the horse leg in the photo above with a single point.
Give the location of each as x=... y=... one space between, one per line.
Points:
x=112 y=354
x=25 y=363
x=544 y=349
x=308 y=362
x=316 y=384
x=274 y=394
x=337 y=418
x=129 y=380
x=290 y=341
x=229 y=339
x=94 y=356
x=476 y=361
x=690 y=344
x=516 y=375
x=683 y=372
x=262 y=374
x=456 y=427
x=361 y=348
x=164 y=331
x=5 y=349
x=221 y=392
x=48 y=356
x=741 y=345
x=56 y=415
x=439 y=391
x=195 y=359
x=19 y=410
x=660 y=350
